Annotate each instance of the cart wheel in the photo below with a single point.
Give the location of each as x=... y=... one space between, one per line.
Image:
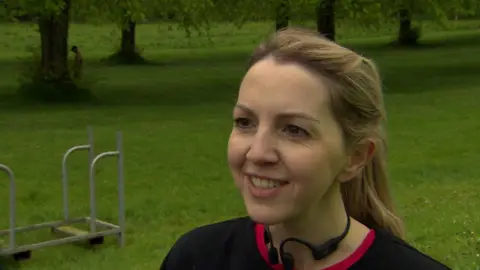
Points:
x=96 y=241
x=22 y=256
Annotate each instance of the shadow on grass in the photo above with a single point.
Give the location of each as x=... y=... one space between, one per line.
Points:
x=219 y=56
x=207 y=94
x=415 y=80
x=174 y=58
x=407 y=80
x=425 y=73
x=469 y=40
x=240 y=56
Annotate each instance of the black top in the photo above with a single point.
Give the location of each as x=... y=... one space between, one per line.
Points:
x=238 y=244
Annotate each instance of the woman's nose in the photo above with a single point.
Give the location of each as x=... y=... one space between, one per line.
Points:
x=262 y=149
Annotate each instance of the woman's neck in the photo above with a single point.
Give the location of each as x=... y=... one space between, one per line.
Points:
x=316 y=226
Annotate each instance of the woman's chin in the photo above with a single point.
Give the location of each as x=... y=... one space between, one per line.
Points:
x=265 y=215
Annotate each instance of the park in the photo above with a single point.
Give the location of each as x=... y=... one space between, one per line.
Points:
x=174 y=111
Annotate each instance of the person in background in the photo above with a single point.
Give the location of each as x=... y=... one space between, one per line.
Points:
x=77 y=66
x=307 y=154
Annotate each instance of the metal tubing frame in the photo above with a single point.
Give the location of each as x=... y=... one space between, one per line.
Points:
x=88 y=147
x=59 y=223
x=121 y=190
x=11 y=175
x=113 y=229
x=44 y=225
x=56 y=242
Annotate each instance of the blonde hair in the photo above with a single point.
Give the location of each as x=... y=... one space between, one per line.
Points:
x=357 y=103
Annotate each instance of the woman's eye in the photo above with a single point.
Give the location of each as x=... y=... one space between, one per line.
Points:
x=242 y=122
x=296 y=131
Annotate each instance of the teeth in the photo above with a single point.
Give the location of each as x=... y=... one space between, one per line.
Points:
x=264 y=183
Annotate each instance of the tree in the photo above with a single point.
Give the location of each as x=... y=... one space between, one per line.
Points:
x=407 y=35
x=373 y=13
x=325 y=17
x=49 y=78
x=438 y=11
x=363 y=12
x=125 y=14
x=188 y=14
x=282 y=14
x=53 y=29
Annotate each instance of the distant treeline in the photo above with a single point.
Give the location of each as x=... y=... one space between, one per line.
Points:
x=172 y=17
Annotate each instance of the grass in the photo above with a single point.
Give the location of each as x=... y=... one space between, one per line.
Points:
x=175 y=117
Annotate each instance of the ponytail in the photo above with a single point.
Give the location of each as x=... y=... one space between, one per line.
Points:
x=368 y=200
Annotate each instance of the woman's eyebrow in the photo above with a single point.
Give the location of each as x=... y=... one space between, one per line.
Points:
x=291 y=114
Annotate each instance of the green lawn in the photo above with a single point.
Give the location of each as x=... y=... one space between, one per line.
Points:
x=175 y=117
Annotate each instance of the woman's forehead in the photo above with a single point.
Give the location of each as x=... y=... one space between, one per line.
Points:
x=283 y=87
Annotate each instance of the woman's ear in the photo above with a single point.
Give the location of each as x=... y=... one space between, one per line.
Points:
x=357 y=159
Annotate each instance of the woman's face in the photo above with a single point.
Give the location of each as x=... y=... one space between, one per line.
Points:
x=285 y=149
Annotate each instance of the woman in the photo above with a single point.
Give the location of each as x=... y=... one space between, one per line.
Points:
x=307 y=155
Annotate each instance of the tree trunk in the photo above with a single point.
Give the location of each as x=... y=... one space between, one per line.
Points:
x=128 y=53
x=282 y=15
x=326 y=18
x=406 y=34
x=128 y=46
x=405 y=23
x=54 y=45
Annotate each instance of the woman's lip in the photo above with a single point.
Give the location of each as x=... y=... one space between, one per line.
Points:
x=260 y=176
x=264 y=192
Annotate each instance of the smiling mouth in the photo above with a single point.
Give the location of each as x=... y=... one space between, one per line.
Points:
x=265 y=183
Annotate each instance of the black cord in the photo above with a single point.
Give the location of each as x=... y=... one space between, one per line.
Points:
x=318 y=252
